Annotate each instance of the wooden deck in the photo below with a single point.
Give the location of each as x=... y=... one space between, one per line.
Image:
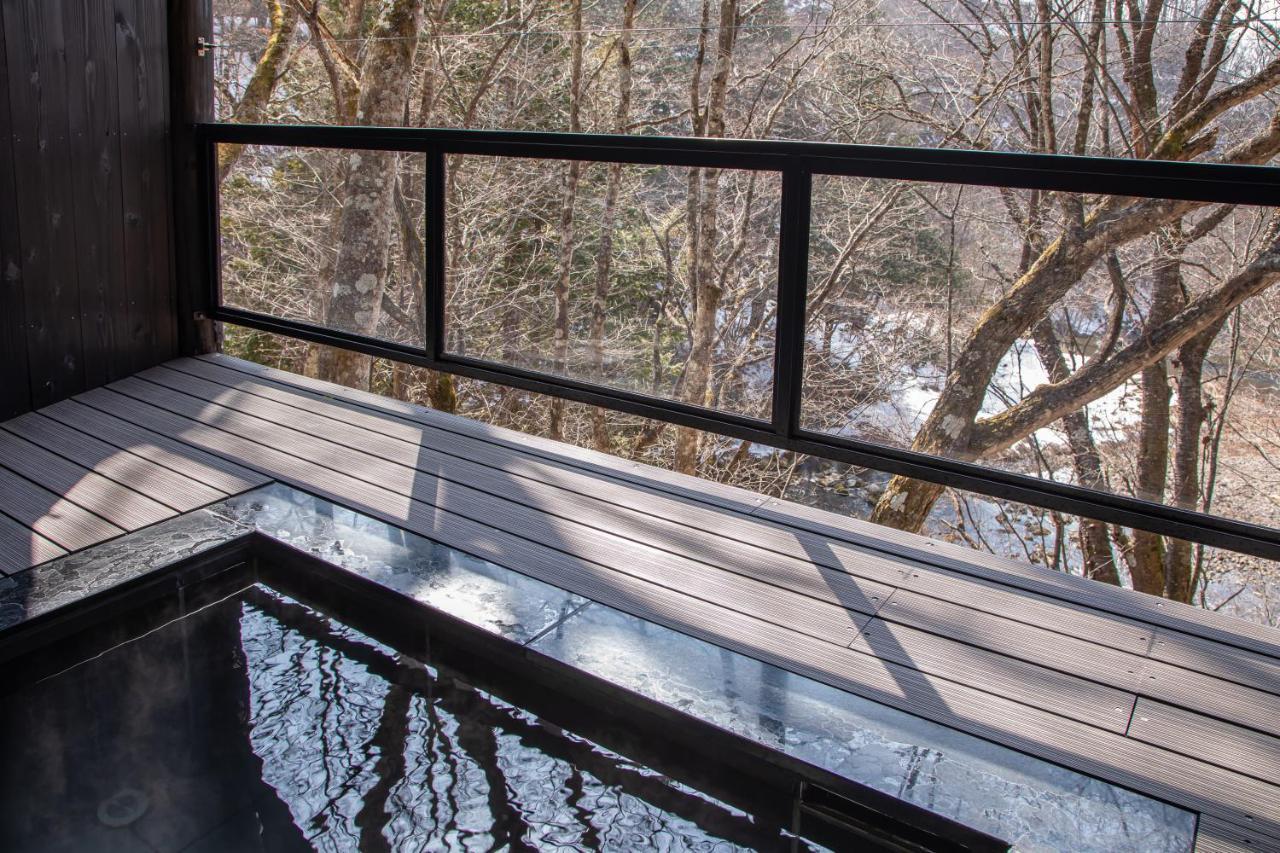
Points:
x=1172 y=701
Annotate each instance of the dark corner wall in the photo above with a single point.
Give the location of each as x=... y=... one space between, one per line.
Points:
x=86 y=243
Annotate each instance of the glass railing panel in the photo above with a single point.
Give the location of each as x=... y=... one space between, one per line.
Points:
x=325 y=236
x=1126 y=345
x=658 y=280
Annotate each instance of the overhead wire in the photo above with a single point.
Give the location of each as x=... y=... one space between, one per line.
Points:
x=801 y=25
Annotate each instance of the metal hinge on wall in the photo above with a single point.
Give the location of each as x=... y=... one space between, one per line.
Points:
x=203 y=46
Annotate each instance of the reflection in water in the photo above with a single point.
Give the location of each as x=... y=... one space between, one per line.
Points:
x=258 y=723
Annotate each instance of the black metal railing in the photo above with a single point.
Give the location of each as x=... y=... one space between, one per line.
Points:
x=797 y=162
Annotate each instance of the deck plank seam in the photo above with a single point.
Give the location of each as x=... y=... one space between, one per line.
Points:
x=69 y=460
x=30 y=532
x=130 y=452
x=455 y=455
x=10 y=470
x=226 y=465
x=926 y=555
x=129 y=509
x=532 y=459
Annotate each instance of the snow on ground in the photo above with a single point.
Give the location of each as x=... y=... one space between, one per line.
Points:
x=909 y=395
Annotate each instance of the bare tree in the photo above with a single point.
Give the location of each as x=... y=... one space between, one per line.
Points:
x=359 y=276
x=253 y=104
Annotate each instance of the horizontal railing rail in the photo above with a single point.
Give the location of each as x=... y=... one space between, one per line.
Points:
x=797 y=163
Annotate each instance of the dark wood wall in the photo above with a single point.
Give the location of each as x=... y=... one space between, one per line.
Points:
x=86 y=250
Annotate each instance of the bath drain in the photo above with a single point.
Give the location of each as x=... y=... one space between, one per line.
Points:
x=123 y=807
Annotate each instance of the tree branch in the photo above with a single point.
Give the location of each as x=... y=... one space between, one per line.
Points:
x=1048 y=403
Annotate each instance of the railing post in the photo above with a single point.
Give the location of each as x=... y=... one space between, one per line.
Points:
x=793 y=281
x=433 y=285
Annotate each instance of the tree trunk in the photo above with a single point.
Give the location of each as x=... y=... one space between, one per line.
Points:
x=604 y=257
x=1095 y=542
x=560 y=344
x=946 y=432
x=365 y=226
x=441 y=393
x=252 y=108
x=707 y=292
x=1153 y=435
x=1191 y=414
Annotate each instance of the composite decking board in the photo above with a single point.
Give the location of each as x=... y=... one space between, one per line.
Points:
x=424 y=430
x=117 y=503
x=636 y=473
x=715 y=530
x=626 y=560
x=1224 y=661
x=1213 y=741
x=871 y=548
x=1018 y=605
x=1053 y=737
x=1214 y=835
x=1069 y=695
x=1131 y=671
x=1013 y=639
x=1102 y=706
x=831 y=622
x=180 y=493
x=967 y=624
x=216 y=472
x=1039 y=579
x=564 y=494
x=51 y=515
x=1211 y=696
x=21 y=547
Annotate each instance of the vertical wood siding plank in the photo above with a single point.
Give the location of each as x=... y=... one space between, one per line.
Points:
x=130 y=94
x=95 y=123
x=15 y=388
x=67 y=359
x=87 y=218
x=154 y=34
x=142 y=64
x=52 y=300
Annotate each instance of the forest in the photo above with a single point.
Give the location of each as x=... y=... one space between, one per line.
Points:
x=1122 y=344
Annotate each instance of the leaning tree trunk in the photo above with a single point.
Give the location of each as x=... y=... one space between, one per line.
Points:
x=365 y=224
x=252 y=108
x=906 y=502
x=707 y=295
